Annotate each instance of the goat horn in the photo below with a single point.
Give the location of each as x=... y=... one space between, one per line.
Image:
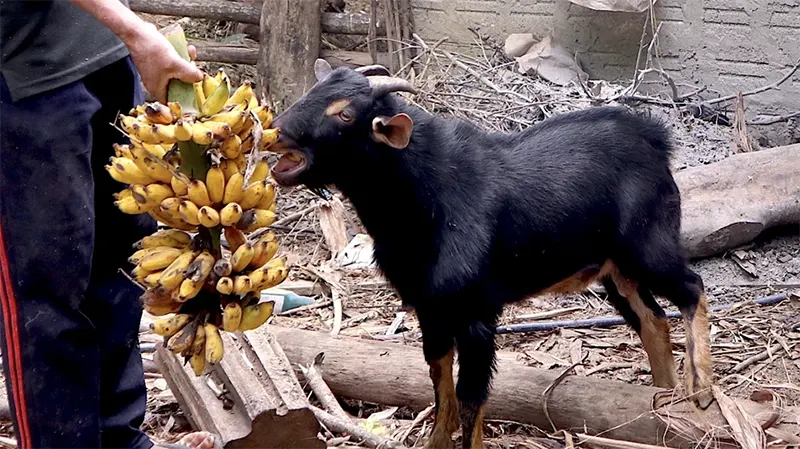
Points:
x=372 y=70
x=382 y=85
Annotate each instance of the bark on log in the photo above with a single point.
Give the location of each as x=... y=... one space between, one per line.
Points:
x=263 y=405
x=395 y=374
x=729 y=203
x=240 y=54
x=247 y=13
x=290 y=41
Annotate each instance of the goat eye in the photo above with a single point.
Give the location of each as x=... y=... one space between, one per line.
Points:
x=345 y=116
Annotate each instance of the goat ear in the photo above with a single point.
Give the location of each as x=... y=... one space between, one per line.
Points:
x=321 y=69
x=393 y=131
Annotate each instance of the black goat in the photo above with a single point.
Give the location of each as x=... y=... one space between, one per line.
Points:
x=464 y=221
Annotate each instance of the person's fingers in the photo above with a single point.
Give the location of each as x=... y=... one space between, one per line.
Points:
x=192 y=52
x=187 y=72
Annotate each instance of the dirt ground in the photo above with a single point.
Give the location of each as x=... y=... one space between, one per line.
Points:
x=768 y=266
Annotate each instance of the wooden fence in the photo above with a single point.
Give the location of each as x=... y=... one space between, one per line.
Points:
x=290 y=38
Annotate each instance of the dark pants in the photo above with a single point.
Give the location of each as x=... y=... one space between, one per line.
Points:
x=70 y=320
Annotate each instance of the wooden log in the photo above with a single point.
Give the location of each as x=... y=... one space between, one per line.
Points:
x=731 y=202
x=395 y=374
x=244 y=54
x=248 y=13
x=290 y=42
x=262 y=405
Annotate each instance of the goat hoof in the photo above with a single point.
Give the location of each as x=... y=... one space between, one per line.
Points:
x=703 y=399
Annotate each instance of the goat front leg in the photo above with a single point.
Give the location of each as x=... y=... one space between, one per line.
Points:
x=476 y=359
x=437 y=343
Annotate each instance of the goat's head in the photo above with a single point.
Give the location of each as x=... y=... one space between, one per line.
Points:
x=343 y=117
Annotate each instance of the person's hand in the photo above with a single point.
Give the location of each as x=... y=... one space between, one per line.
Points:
x=158 y=62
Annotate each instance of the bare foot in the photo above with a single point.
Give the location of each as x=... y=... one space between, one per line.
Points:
x=195 y=440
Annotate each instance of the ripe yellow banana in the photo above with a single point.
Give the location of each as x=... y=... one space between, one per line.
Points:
x=158 y=113
x=225 y=286
x=180 y=187
x=243 y=93
x=182 y=339
x=156 y=150
x=198 y=193
x=140 y=254
x=256 y=315
x=175 y=109
x=242 y=285
x=223 y=267
x=264 y=114
x=208 y=217
x=189 y=212
x=235 y=119
x=248 y=141
x=230 y=214
x=252 y=195
x=221 y=77
x=122 y=151
x=201 y=135
x=172 y=222
x=215 y=184
x=155 y=133
x=183 y=130
x=199 y=95
x=152 y=195
x=167 y=327
x=215 y=101
x=124 y=170
x=220 y=130
x=241 y=162
x=231 y=147
x=231 y=317
x=199 y=341
x=198 y=363
x=162 y=310
x=233 y=189
x=150 y=164
x=209 y=84
x=235 y=238
x=173 y=275
x=255 y=219
x=165 y=237
x=187 y=290
x=214 y=347
x=268 y=200
x=129 y=205
x=201 y=267
x=269 y=137
x=229 y=168
x=260 y=172
x=170 y=207
x=160 y=259
x=274 y=207
x=266 y=247
x=242 y=257
x=151 y=280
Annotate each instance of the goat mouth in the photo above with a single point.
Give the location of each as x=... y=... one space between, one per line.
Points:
x=289 y=165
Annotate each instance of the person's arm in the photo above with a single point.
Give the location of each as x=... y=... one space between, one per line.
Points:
x=154 y=57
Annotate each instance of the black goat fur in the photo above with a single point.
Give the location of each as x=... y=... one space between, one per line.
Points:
x=465 y=221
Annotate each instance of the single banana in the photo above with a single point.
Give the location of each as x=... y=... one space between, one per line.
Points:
x=260 y=172
x=208 y=217
x=129 y=205
x=242 y=285
x=129 y=123
x=264 y=114
x=189 y=212
x=255 y=315
x=158 y=260
x=150 y=164
x=231 y=146
x=125 y=171
x=233 y=189
x=156 y=296
x=230 y=214
x=156 y=150
x=198 y=363
x=201 y=135
x=231 y=316
x=183 y=339
x=158 y=113
x=173 y=222
x=215 y=101
x=163 y=134
x=265 y=248
x=187 y=290
x=252 y=195
x=152 y=195
x=215 y=184
x=167 y=327
x=170 y=207
x=201 y=267
x=229 y=168
x=162 y=310
x=198 y=193
x=122 y=151
x=214 y=346
x=268 y=199
x=173 y=275
x=199 y=95
x=235 y=119
x=241 y=162
x=248 y=141
x=199 y=340
x=151 y=280
x=255 y=219
x=124 y=193
x=235 y=238
x=225 y=286
x=140 y=254
x=242 y=94
x=165 y=237
x=268 y=138
x=209 y=84
x=180 y=187
x=183 y=130
x=175 y=109
x=220 y=130
x=242 y=257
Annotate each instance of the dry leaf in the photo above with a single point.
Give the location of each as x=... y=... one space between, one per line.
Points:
x=746 y=430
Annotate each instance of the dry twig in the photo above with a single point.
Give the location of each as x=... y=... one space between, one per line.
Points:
x=339 y=425
x=320 y=388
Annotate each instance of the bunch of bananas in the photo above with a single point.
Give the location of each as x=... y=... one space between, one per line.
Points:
x=187 y=167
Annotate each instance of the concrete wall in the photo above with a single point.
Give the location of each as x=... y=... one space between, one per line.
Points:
x=727 y=45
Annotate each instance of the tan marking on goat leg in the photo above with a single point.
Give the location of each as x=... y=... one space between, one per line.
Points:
x=654 y=333
x=446 y=417
x=336 y=107
x=699 y=372
x=472 y=427
x=579 y=281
